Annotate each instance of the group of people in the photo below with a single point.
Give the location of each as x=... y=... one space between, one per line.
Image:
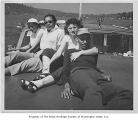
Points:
x=65 y=57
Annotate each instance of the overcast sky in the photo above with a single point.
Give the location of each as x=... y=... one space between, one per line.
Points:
x=87 y=8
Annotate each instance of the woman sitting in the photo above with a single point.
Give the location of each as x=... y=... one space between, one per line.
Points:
x=28 y=51
x=54 y=59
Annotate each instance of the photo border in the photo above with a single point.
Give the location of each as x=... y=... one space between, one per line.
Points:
x=135 y=64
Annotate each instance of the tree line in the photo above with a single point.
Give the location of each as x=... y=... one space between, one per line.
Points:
x=21 y=9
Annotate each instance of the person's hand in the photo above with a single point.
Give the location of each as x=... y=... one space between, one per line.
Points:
x=12 y=49
x=109 y=78
x=25 y=28
x=74 y=56
x=67 y=92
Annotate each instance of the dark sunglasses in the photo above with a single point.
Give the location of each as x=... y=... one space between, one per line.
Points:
x=50 y=21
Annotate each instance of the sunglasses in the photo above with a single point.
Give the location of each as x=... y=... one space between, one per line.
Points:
x=50 y=21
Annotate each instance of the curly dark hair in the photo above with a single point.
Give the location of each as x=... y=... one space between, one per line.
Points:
x=52 y=16
x=72 y=21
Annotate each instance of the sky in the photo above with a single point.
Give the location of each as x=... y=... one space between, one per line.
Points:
x=87 y=8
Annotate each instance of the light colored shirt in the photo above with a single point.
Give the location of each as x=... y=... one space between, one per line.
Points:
x=69 y=43
x=34 y=36
x=52 y=39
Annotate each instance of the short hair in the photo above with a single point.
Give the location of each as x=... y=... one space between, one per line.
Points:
x=72 y=21
x=52 y=16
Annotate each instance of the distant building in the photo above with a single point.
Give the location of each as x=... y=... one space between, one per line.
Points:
x=111 y=39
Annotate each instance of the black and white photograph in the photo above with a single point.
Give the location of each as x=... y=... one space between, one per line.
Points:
x=68 y=57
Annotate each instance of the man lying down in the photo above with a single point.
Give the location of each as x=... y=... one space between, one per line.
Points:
x=80 y=77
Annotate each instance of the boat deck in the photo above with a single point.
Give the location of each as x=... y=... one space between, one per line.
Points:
x=48 y=98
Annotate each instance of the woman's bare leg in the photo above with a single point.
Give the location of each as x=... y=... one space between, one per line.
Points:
x=49 y=80
x=45 y=60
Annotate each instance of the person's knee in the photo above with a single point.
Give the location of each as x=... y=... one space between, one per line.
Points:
x=9 y=60
x=48 y=53
x=44 y=58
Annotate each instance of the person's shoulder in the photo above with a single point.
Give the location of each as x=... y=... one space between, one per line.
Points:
x=66 y=38
x=59 y=30
x=41 y=30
